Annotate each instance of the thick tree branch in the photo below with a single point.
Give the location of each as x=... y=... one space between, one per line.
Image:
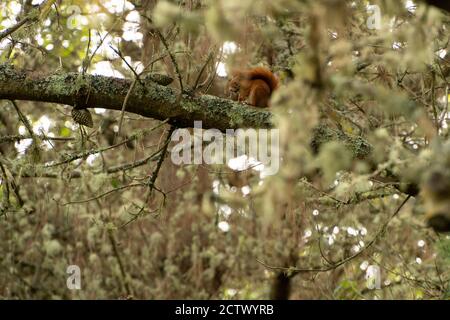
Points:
x=152 y=100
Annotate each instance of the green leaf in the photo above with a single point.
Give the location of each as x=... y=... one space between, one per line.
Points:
x=65 y=132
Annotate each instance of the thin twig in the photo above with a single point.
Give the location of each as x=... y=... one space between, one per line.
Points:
x=15 y=27
x=87 y=153
x=14 y=138
x=171 y=55
x=119 y=261
x=208 y=59
x=104 y=194
x=292 y=271
x=151 y=181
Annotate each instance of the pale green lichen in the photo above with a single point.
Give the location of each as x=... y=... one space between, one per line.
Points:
x=322 y=134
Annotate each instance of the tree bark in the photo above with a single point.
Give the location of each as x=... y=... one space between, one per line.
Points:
x=441 y=4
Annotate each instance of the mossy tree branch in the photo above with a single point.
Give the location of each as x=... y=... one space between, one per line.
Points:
x=149 y=100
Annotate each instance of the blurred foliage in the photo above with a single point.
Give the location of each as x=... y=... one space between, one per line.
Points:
x=211 y=231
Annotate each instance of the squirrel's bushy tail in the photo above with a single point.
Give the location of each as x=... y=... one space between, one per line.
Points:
x=265 y=75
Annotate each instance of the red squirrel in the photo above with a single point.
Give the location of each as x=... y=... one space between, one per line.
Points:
x=253 y=86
